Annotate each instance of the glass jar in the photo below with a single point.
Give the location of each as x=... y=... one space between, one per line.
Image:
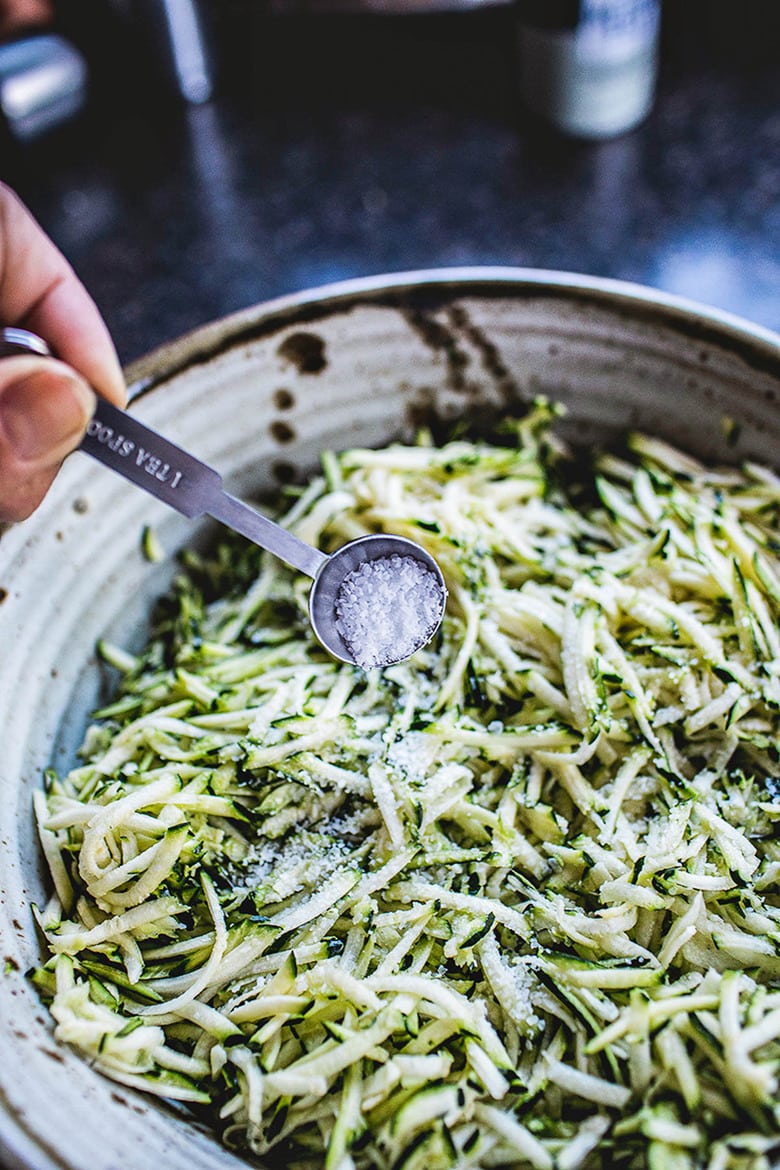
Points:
x=589 y=66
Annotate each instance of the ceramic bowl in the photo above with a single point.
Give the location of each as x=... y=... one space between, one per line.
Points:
x=259 y=395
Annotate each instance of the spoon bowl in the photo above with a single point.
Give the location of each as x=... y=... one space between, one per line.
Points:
x=415 y=613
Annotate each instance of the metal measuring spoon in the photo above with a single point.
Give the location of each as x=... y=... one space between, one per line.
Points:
x=120 y=441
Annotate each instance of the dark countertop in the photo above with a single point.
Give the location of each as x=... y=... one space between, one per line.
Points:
x=339 y=145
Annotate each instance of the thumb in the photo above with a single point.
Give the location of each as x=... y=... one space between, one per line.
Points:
x=44 y=409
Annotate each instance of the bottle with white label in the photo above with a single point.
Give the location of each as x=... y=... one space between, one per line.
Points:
x=589 y=66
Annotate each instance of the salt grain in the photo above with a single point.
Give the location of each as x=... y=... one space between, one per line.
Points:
x=387 y=609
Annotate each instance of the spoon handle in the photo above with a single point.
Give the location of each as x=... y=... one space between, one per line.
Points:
x=137 y=452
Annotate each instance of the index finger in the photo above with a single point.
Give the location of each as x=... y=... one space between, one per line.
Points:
x=40 y=291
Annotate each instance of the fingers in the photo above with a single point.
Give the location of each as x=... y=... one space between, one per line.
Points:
x=40 y=291
x=19 y=15
x=44 y=410
x=45 y=405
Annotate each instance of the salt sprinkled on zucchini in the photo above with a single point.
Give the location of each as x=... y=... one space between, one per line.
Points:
x=511 y=903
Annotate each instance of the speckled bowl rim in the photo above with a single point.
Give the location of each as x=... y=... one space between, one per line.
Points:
x=756 y=344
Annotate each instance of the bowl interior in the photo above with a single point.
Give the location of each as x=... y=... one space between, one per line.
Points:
x=259 y=396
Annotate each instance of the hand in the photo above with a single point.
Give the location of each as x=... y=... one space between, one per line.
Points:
x=21 y=15
x=45 y=404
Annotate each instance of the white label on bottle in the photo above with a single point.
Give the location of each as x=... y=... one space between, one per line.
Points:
x=614 y=30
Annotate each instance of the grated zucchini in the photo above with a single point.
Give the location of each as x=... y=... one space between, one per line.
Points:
x=511 y=903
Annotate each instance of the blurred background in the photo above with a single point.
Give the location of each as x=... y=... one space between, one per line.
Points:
x=192 y=157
